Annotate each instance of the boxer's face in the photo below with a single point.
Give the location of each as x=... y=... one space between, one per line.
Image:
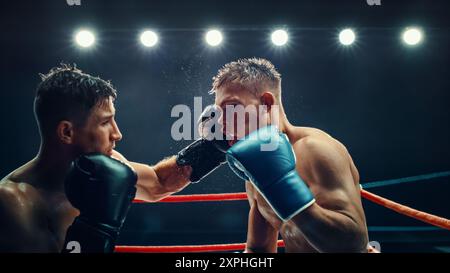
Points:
x=100 y=131
x=239 y=125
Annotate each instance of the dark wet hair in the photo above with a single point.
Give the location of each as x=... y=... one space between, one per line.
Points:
x=66 y=93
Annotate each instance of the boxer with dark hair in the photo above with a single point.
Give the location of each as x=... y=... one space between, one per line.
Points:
x=76 y=118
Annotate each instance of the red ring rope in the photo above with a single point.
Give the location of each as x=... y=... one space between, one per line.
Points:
x=402 y=209
x=201 y=198
x=399 y=208
x=416 y=214
x=187 y=248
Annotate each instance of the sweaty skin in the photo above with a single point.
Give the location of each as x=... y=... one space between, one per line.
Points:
x=336 y=221
x=35 y=218
x=34 y=211
x=338 y=196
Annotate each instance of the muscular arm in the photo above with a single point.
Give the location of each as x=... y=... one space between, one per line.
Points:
x=261 y=236
x=20 y=230
x=159 y=181
x=336 y=222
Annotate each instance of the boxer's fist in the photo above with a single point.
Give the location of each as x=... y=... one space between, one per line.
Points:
x=102 y=189
x=208 y=152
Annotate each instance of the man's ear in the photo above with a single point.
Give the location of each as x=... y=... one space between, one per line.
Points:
x=267 y=99
x=65 y=131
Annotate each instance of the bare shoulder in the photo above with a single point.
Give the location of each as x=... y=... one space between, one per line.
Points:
x=319 y=153
x=319 y=145
x=17 y=198
x=22 y=215
x=315 y=136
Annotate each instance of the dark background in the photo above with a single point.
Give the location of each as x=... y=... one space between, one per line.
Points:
x=388 y=103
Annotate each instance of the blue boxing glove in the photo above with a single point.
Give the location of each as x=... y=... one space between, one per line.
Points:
x=266 y=158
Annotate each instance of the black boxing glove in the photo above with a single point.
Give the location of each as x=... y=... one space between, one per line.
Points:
x=208 y=152
x=102 y=189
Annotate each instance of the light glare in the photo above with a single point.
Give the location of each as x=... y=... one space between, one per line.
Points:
x=85 y=38
x=213 y=37
x=412 y=36
x=149 y=38
x=279 y=37
x=347 y=37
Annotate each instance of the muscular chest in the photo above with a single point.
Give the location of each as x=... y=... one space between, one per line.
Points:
x=60 y=217
x=56 y=216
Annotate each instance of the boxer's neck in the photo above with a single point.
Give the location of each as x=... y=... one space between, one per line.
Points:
x=50 y=167
x=286 y=127
x=283 y=123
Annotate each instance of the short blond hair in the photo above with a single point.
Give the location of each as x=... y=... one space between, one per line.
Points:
x=256 y=74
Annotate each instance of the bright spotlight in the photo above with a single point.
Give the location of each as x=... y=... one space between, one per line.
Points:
x=149 y=38
x=213 y=37
x=412 y=36
x=85 y=38
x=279 y=37
x=347 y=37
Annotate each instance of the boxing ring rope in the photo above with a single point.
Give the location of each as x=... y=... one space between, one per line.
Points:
x=416 y=214
x=186 y=248
x=399 y=208
x=201 y=198
x=402 y=209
